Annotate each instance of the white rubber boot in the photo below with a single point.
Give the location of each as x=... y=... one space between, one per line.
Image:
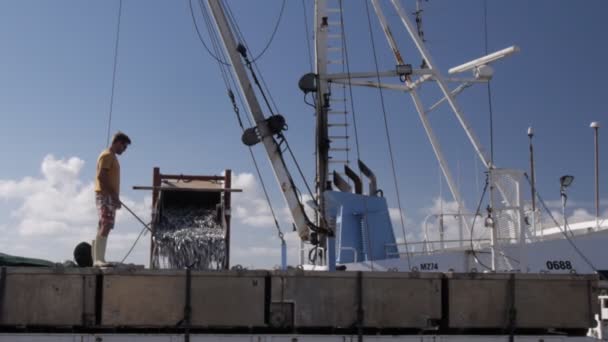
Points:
x=100 y=251
x=93 y=252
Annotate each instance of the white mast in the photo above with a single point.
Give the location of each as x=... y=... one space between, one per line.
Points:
x=421 y=112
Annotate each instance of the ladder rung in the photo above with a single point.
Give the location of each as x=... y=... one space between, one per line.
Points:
x=331 y=99
x=339 y=149
x=338 y=137
x=334 y=23
x=334 y=36
x=335 y=61
x=333 y=10
x=337 y=125
x=334 y=49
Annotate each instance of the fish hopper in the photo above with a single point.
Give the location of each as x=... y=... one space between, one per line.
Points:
x=190 y=221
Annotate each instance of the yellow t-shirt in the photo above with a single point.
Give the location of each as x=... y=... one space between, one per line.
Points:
x=107 y=160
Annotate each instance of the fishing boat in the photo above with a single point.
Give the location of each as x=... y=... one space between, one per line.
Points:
x=507 y=275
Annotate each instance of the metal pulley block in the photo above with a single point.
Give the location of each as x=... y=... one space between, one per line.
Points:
x=250 y=136
x=276 y=125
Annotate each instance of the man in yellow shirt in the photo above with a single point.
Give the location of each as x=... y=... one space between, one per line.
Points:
x=107 y=194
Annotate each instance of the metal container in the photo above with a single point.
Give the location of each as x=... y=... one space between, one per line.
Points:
x=158 y=299
x=47 y=297
x=334 y=300
x=401 y=300
x=530 y=301
x=171 y=191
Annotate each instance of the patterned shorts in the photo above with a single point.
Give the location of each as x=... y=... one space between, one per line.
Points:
x=106 y=210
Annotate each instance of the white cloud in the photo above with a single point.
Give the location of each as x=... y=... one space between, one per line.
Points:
x=56 y=211
x=250 y=206
x=53 y=204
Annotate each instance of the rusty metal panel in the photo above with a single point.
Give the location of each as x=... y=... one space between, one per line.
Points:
x=143 y=298
x=388 y=300
x=228 y=299
x=401 y=300
x=48 y=297
x=478 y=301
x=158 y=298
x=502 y=301
x=556 y=301
x=318 y=299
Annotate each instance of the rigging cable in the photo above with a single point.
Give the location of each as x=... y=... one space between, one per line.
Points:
x=243 y=41
x=264 y=90
x=146 y=227
x=390 y=148
x=483 y=194
x=485 y=26
x=114 y=70
x=228 y=78
x=252 y=66
x=242 y=38
x=116 y=44
x=283 y=139
x=350 y=87
x=306 y=32
x=200 y=36
x=343 y=88
x=276 y=27
x=352 y=104
x=563 y=231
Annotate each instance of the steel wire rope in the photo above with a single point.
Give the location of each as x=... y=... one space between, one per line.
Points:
x=116 y=42
x=264 y=89
x=350 y=87
x=259 y=173
x=241 y=37
x=563 y=231
x=114 y=67
x=387 y=132
x=352 y=105
x=306 y=32
x=227 y=75
x=284 y=139
x=489 y=87
x=146 y=227
x=228 y=79
x=276 y=27
x=253 y=68
x=200 y=36
x=270 y=40
x=218 y=52
x=483 y=194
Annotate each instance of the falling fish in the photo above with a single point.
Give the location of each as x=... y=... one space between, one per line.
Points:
x=188 y=237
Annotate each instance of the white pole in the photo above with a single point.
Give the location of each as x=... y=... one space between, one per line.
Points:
x=596 y=125
x=442 y=84
x=422 y=114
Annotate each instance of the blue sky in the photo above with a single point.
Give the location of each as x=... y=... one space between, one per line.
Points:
x=55 y=86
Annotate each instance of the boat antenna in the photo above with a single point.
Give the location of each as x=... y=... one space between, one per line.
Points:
x=418 y=15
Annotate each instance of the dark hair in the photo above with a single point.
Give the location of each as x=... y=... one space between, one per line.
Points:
x=121 y=137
